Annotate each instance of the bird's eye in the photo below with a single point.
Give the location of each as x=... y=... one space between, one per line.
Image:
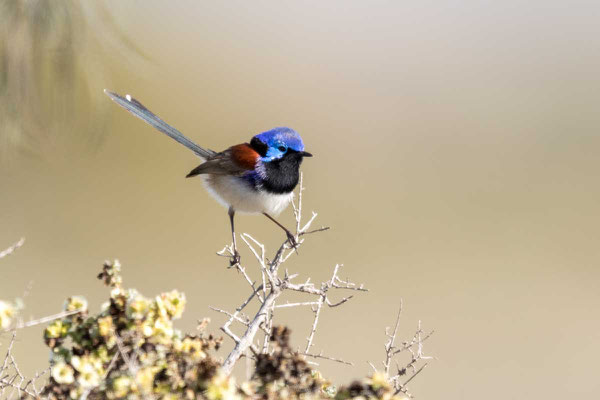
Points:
x=282 y=149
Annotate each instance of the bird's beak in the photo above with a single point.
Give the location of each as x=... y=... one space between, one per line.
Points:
x=305 y=154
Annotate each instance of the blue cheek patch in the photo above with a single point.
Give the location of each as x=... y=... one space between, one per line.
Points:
x=272 y=153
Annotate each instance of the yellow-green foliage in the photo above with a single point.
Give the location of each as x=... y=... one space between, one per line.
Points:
x=130 y=350
x=7 y=313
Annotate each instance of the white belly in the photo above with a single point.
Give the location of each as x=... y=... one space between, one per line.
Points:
x=230 y=191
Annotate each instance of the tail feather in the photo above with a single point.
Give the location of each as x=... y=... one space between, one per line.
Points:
x=138 y=109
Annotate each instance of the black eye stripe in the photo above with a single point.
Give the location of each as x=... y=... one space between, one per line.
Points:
x=260 y=147
x=281 y=148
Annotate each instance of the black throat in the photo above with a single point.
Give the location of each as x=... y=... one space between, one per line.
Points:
x=283 y=174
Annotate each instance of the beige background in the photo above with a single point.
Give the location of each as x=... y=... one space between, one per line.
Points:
x=456 y=158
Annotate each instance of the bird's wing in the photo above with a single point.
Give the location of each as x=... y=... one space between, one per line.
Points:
x=236 y=160
x=138 y=109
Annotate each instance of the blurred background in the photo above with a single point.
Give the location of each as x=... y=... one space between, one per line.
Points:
x=456 y=159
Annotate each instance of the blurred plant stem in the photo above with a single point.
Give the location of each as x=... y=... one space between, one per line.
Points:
x=52 y=72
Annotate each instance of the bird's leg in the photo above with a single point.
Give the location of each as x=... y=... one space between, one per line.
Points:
x=289 y=234
x=236 y=256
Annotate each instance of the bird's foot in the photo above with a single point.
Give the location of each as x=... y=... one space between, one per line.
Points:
x=292 y=240
x=235 y=259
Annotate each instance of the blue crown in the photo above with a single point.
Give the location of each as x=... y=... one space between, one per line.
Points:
x=278 y=140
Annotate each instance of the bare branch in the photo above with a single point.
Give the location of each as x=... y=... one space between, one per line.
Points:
x=246 y=340
x=303 y=287
x=232 y=316
x=414 y=347
x=415 y=374
x=401 y=387
x=12 y=248
x=321 y=355
x=313 y=329
x=389 y=346
x=321 y=229
x=306 y=303
x=339 y=303
x=15 y=380
x=273 y=285
x=44 y=320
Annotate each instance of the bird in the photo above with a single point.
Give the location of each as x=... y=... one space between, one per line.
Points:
x=254 y=177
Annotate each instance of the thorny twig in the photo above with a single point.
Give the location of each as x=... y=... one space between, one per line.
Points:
x=43 y=320
x=12 y=379
x=273 y=285
x=389 y=346
x=321 y=355
x=414 y=347
x=323 y=299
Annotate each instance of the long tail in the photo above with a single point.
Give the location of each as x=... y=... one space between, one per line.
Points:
x=138 y=109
